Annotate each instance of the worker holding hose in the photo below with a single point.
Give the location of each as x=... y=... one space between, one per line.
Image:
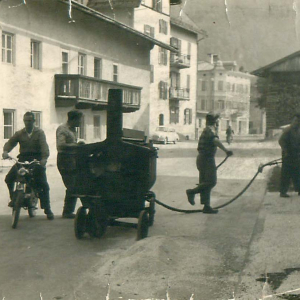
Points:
x=207 y=148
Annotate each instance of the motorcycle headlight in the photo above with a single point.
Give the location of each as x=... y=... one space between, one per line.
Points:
x=22 y=171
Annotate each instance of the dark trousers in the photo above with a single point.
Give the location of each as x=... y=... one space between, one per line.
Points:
x=40 y=178
x=66 y=167
x=290 y=170
x=207 y=178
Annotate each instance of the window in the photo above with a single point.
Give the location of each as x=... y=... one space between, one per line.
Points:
x=163 y=90
x=35 y=55
x=161 y=120
x=157 y=5
x=7 y=48
x=189 y=50
x=151 y=74
x=65 y=62
x=174 y=114
x=220 y=85
x=81 y=63
x=163 y=26
x=97 y=68
x=233 y=87
x=203 y=86
x=188 y=82
x=149 y=30
x=176 y=43
x=228 y=86
x=115 y=73
x=163 y=56
x=221 y=104
x=38 y=118
x=203 y=104
x=187 y=116
x=9 y=122
x=199 y=123
x=97 y=127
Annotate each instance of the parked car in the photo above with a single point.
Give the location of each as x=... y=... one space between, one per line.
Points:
x=164 y=134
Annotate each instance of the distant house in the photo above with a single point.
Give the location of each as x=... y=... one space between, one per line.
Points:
x=225 y=91
x=281 y=90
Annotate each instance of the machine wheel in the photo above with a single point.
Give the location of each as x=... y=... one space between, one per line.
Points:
x=151 y=211
x=98 y=222
x=143 y=225
x=32 y=207
x=17 y=208
x=80 y=222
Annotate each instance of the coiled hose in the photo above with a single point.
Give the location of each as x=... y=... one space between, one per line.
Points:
x=260 y=169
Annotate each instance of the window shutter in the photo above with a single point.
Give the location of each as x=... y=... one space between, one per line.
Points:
x=166 y=90
x=191 y=117
x=174 y=42
x=160 y=90
x=152 y=31
x=179 y=45
x=160 y=25
x=166 y=27
x=165 y=57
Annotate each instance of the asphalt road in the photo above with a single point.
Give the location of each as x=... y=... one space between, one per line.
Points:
x=42 y=259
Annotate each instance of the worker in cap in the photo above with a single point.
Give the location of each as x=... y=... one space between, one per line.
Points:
x=289 y=142
x=207 y=148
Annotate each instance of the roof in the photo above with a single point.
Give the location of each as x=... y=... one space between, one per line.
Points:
x=263 y=71
x=102 y=17
x=181 y=19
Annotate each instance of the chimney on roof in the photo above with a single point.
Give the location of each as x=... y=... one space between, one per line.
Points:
x=213 y=58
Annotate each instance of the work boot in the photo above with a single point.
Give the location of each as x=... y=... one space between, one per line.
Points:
x=284 y=195
x=11 y=203
x=49 y=213
x=209 y=210
x=68 y=216
x=191 y=197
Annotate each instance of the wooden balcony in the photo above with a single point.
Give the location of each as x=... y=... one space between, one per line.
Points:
x=89 y=92
x=180 y=61
x=176 y=93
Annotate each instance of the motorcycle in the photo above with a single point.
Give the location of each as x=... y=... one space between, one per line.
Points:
x=25 y=194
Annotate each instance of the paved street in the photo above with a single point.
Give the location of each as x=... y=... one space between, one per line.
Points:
x=186 y=256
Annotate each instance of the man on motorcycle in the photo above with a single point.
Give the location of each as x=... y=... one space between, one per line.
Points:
x=33 y=145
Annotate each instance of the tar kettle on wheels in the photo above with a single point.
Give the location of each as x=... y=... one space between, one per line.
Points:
x=113 y=179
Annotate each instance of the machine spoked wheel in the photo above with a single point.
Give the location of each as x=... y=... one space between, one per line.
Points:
x=32 y=206
x=143 y=225
x=151 y=211
x=80 y=222
x=17 y=209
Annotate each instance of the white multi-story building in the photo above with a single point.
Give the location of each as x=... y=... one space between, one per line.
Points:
x=61 y=55
x=173 y=80
x=223 y=90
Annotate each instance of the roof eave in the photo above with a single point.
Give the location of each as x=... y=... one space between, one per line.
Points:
x=122 y=26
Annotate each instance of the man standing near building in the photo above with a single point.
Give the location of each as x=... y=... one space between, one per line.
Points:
x=207 y=148
x=290 y=146
x=33 y=145
x=66 y=140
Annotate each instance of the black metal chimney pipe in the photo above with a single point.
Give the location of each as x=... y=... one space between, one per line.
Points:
x=114 y=130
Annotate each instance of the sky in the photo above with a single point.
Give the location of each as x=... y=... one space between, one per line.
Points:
x=252 y=32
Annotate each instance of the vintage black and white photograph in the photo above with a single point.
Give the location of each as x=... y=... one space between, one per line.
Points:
x=150 y=149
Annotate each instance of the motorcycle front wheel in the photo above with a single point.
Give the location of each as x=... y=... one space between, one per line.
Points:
x=17 y=208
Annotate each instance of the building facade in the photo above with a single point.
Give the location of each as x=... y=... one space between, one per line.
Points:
x=223 y=90
x=57 y=57
x=173 y=81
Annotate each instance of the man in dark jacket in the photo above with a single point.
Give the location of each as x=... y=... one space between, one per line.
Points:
x=290 y=146
x=207 y=148
x=33 y=145
x=66 y=140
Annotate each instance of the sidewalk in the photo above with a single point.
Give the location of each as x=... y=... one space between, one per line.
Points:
x=273 y=265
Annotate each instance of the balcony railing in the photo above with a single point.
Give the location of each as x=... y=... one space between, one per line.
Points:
x=179 y=93
x=180 y=61
x=89 y=92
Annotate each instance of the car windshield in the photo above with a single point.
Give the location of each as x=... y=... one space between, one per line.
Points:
x=163 y=129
